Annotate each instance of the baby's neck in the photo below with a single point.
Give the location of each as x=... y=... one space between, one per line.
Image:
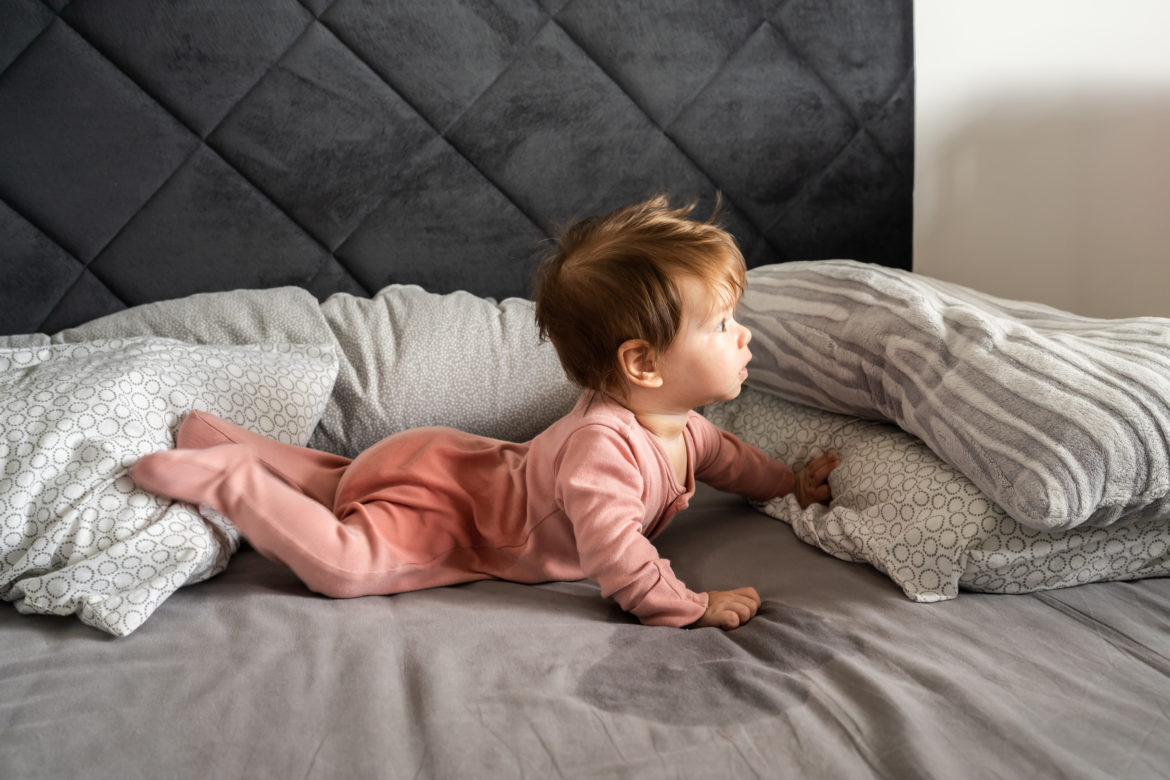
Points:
x=666 y=424
x=667 y=427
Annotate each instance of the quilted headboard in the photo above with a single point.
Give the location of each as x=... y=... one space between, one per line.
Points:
x=149 y=150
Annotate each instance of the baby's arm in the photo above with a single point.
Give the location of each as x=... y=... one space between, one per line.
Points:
x=728 y=463
x=599 y=488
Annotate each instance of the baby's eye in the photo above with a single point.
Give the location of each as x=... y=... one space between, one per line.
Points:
x=722 y=326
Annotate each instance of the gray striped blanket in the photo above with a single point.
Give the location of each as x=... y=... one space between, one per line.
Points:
x=1062 y=420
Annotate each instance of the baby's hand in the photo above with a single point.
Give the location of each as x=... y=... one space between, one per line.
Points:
x=728 y=609
x=812 y=483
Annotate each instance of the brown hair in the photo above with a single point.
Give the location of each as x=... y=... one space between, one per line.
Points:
x=613 y=278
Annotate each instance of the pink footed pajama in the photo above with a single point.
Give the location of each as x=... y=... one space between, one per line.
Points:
x=435 y=506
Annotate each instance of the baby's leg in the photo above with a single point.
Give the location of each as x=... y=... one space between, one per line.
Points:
x=336 y=559
x=314 y=472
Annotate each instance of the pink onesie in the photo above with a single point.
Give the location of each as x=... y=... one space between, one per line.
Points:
x=435 y=506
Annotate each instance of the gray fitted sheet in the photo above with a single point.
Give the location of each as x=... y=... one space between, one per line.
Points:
x=250 y=675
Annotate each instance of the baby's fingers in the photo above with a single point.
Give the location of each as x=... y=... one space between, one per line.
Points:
x=749 y=595
x=820 y=468
x=812 y=483
x=739 y=606
x=728 y=609
x=821 y=494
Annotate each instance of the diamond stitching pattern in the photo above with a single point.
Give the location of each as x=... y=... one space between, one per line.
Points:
x=523 y=114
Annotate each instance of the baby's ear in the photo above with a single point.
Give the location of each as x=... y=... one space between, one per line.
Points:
x=639 y=364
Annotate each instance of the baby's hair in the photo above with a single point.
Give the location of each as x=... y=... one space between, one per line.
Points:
x=612 y=278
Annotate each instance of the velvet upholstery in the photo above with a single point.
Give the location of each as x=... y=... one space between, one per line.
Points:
x=150 y=150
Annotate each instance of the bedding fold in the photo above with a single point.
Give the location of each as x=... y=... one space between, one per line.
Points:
x=1063 y=420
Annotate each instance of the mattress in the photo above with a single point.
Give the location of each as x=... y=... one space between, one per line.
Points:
x=839 y=675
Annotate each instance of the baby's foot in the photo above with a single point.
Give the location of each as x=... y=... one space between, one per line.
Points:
x=193 y=476
x=199 y=431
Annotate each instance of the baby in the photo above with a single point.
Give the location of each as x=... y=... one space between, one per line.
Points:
x=639 y=305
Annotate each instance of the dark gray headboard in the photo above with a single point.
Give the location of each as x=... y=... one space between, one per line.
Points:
x=150 y=149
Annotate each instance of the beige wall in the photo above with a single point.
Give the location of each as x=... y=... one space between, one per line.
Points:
x=1043 y=151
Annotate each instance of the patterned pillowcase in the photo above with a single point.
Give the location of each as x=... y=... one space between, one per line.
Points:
x=900 y=508
x=76 y=534
x=1062 y=420
x=413 y=358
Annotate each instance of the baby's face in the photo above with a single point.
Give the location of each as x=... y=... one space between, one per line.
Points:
x=707 y=361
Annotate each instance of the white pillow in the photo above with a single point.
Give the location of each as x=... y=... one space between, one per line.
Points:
x=897 y=506
x=413 y=358
x=76 y=535
x=1062 y=420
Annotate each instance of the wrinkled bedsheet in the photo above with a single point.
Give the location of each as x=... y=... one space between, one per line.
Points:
x=250 y=675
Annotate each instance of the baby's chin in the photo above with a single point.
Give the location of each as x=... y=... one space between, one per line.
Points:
x=732 y=393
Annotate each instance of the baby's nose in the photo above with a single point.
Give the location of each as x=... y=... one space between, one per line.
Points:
x=746 y=336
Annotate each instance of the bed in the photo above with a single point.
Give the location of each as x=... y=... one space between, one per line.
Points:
x=319 y=219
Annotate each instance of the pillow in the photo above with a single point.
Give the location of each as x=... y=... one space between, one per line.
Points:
x=272 y=316
x=25 y=340
x=77 y=536
x=1062 y=420
x=408 y=357
x=414 y=358
x=900 y=508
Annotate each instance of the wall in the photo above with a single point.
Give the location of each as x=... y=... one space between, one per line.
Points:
x=1043 y=151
